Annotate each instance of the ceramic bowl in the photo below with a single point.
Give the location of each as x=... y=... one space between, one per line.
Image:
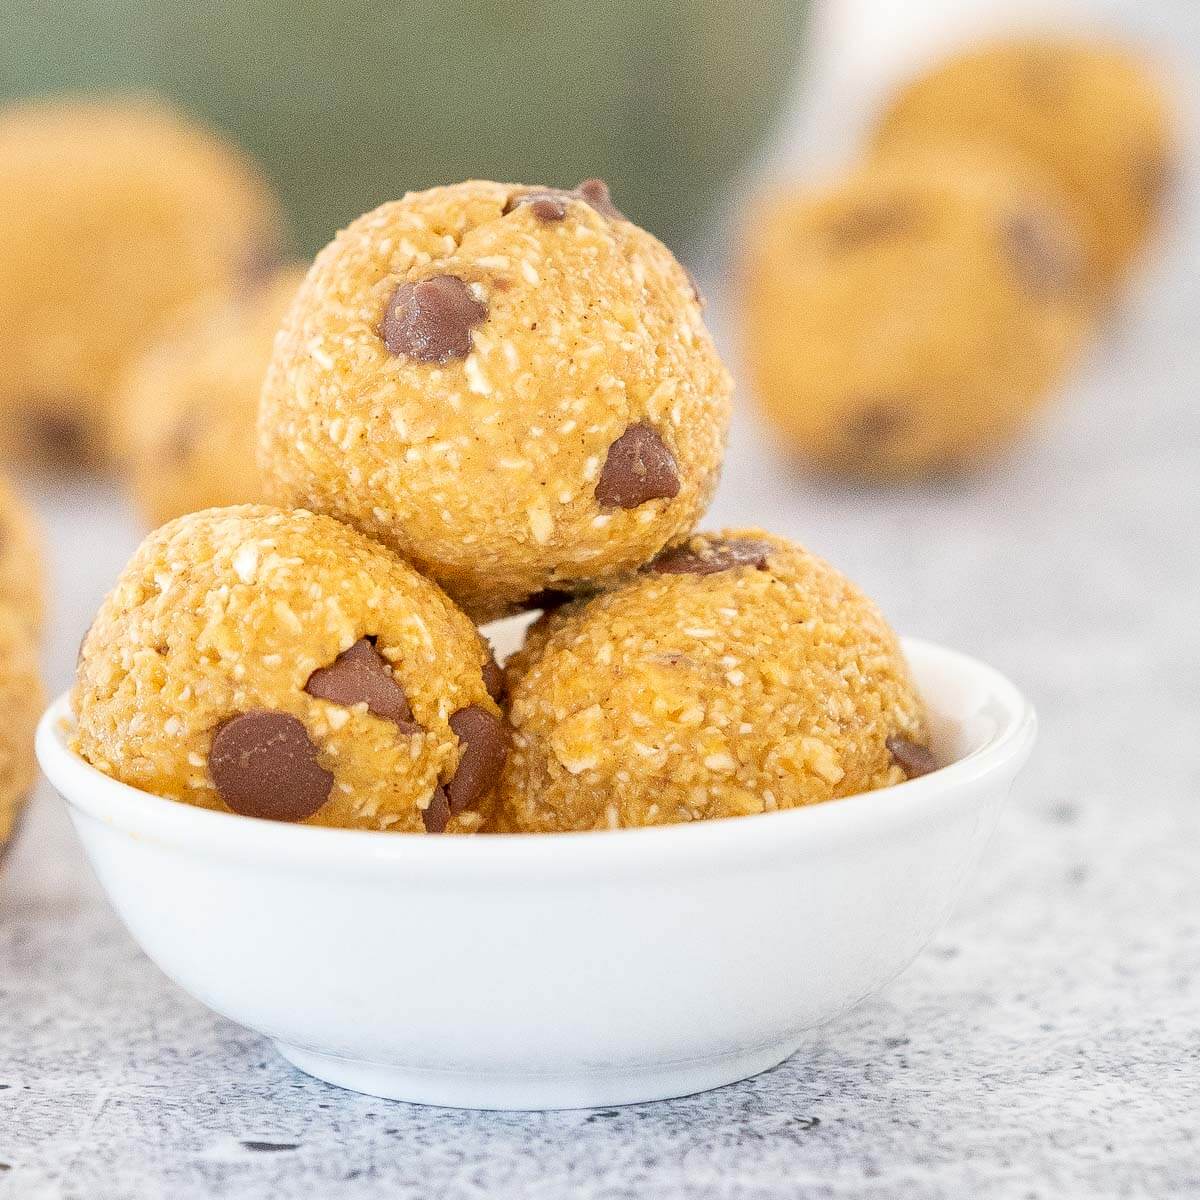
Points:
x=555 y=970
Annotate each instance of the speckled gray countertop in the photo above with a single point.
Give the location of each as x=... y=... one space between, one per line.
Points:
x=1046 y=1046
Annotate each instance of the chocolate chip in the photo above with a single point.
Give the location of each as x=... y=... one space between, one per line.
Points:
x=1154 y=176
x=867 y=224
x=595 y=192
x=1042 y=262
x=1042 y=77
x=639 y=467
x=361 y=674
x=548 y=208
x=436 y=814
x=710 y=555
x=265 y=765
x=875 y=423
x=184 y=438
x=56 y=437
x=432 y=320
x=261 y=261
x=485 y=747
x=493 y=676
x=62 y=435
x=548 y=204
x=912 y=759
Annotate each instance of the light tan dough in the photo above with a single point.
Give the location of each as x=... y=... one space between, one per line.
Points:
x=114 y=214
x=187 y=410
x=456 y=371
x=911 y=318
x=244 y=610
x=1093 y=115
x=22 y=698
x=738 y=674
x=22 y=566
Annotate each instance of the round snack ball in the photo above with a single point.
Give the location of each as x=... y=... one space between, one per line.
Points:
x=737 y=674
x=22 y=571
x=280 y=665
x=22 y=699
x=186 y=411
x=1091 y=114
x=910 y=318
x=513 y=387
x=113 y=214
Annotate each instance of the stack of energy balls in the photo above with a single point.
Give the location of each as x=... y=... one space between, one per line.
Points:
x=909 y=318
x=487 y=399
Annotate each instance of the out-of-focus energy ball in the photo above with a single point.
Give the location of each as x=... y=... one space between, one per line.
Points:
x=22 y=698
x=22 y=570
x=907 y=320
x=186 y=410
x=1093 y=115
x=113 y=214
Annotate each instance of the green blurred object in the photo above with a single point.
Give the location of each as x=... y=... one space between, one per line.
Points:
x=350 y=104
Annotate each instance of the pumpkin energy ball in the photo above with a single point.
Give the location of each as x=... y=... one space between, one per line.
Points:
x=1091 y=114
x=22 y=572
x=187 y=410
x=911 y=318
x=280 y=665
x=22 y=699
x=113 y=214
x=737 y=674
x=513 y=387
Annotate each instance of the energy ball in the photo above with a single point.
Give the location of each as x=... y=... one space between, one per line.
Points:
x=738 y=674
x=187 y=410
x=22 y=699
x=22 y=571
x=511 y=386
x=113 y=215
x=280 y=665
x=911 y=318
x=1093 y=115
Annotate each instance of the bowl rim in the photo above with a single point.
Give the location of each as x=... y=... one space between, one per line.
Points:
x=745 y=840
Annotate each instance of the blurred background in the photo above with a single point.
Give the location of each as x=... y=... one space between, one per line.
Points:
x=351 y=104
x=1067 y=557
x=689 y=112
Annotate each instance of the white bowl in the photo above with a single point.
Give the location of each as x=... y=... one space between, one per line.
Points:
x=555 y=970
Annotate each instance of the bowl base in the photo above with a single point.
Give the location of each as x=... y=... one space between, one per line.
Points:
x=519 y=1091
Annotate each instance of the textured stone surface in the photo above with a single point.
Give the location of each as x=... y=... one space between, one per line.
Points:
x=1044 y=1047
